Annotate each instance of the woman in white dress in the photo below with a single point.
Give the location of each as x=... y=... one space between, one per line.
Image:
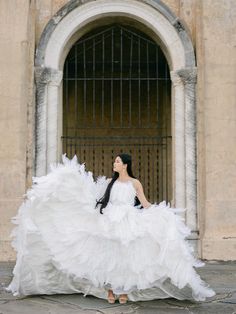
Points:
x=123 y=174
x=77 y=235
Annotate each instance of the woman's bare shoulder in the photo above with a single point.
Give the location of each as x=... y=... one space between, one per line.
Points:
x=136 y=182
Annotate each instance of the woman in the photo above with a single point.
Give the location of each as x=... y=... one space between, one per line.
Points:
x=77 y=235
x=122 y=170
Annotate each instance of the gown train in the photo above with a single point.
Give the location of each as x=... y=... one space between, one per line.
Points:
x=64 y=245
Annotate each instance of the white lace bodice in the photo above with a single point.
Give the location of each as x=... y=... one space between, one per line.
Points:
x=122 y=193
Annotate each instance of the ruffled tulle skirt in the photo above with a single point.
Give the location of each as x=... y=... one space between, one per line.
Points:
x=64 y=245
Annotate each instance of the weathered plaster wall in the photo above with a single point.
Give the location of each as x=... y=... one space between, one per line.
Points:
x=211 y=25
x=16 y=68
x=216 y=55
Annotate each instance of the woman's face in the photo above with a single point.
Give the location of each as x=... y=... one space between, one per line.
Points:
x=118 y=164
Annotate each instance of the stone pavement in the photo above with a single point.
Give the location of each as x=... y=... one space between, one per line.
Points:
x=220 y=275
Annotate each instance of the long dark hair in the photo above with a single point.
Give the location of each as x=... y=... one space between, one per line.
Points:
x=126 y=159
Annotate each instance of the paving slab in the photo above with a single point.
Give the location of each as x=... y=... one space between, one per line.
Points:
x=220 y=275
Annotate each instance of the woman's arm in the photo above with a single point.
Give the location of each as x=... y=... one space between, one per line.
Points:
x=140 y=194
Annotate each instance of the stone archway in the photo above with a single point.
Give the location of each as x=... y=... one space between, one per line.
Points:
x=74 y=20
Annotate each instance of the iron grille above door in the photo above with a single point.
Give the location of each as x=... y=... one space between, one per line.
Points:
x=116 y=98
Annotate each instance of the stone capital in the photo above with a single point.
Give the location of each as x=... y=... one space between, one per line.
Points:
x=188 y=75
x=184 y=76
x=175 y=78
x=48 y=76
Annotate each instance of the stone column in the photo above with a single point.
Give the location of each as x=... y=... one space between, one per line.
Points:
x=178 y=139
x=47 y=84
x=189 y=77
x=53 y=117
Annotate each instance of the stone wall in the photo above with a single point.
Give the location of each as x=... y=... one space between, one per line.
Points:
x=216 y=115
x=16 y=129
x=211 y=25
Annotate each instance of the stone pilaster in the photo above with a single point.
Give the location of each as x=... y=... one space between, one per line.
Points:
x=178 y=139
x=47 y=83
x=189 y=78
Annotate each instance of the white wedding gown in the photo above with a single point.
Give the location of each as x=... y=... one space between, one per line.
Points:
x=64 y=244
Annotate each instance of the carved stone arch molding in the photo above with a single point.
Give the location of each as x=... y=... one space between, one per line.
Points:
x=68 y=25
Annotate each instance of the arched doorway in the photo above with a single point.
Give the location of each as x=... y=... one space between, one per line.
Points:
x=153 y=17
x=116 y=98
